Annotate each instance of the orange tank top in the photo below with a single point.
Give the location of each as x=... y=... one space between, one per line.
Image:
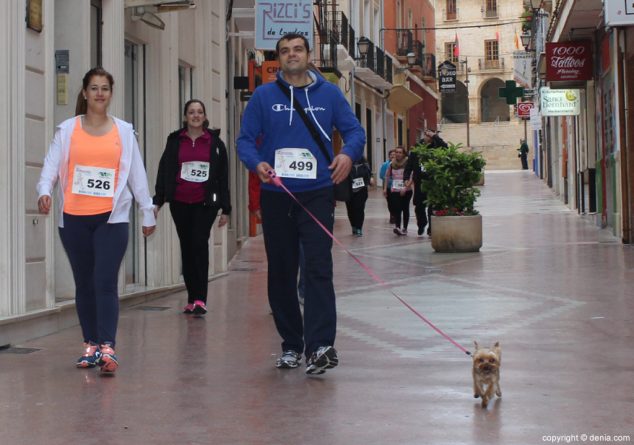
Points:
x=93 y=168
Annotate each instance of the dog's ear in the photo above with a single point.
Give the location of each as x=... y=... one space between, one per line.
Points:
x=476 y=345
x=497 y=344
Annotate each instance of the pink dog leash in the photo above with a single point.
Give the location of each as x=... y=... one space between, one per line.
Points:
x=278 y=182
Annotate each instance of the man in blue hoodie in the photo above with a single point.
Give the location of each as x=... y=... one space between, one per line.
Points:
x=286 y=143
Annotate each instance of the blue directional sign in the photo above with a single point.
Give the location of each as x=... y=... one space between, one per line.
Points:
x=275 y=18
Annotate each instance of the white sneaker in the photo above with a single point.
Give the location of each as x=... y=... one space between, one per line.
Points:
x=288 y=360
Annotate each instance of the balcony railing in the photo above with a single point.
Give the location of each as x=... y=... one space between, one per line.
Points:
x=337 y=24
x=428 y=65
x=490 y=13
x=377 y=61
x=331 y=33
x=490 y=64
x=404 y=43
x=451 y=14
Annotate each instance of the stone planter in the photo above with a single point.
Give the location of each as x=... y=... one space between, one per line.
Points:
x=456 y=233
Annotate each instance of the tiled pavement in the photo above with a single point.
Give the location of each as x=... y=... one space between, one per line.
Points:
x=551 y=287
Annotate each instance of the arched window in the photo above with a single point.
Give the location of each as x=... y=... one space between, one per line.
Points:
x=494 y=107
x=454 y=105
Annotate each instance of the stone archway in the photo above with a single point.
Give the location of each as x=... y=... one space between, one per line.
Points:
x=493 y=107
x=454 y=105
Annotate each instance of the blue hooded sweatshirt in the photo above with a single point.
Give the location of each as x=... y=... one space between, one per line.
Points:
x=271 y=120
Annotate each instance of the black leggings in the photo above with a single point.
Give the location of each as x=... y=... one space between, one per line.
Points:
x=400 y=206
x=95 y=250
x=193 y=224
x=356 y=208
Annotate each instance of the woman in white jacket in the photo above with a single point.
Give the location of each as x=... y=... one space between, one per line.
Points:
x=94 y=159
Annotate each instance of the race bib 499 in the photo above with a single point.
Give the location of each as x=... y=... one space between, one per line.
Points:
x=296 y=163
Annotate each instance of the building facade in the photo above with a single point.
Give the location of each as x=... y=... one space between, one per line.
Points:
x=159 y=59
x=479 y=37
x=587 y=156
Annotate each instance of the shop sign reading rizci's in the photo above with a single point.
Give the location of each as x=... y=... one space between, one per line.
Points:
x=559 y=102
x=569 y=61
x=275 y=18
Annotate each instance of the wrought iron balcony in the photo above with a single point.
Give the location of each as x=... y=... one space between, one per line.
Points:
x=404 y=42
x=372 y=64
x=491 y=64
x=490 y=13
x=334 y=42
x=451 y=14
x=337 y=24
x=428 y=65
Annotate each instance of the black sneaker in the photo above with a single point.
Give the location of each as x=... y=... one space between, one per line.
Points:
x=398 y=231
x=421 y=231
x=325 y=357
x=288 y=360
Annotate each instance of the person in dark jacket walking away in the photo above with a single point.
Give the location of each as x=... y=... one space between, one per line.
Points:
x=523 y=154
x=415 y=171
x=361 y=176
x=309 y=173
x=193 y=178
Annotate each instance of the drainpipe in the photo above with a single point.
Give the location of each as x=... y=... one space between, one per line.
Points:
x=384 y=97
x=626 y=186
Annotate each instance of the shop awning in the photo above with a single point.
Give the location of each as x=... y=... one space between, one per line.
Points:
x=402 y=99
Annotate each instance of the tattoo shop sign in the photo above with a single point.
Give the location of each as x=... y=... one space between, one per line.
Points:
x=569 y=61
x=275 y=18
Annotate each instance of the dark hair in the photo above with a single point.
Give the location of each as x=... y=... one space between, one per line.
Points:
x=197 y=101
x=292 y=36
x=81 y=106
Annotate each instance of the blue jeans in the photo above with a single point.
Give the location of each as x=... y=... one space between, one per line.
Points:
x=95 y=250
x=285 y=225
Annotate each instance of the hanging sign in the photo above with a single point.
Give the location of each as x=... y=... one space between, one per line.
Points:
x=536 y=119
x=559 y=102
x=524 y=110
x=523 y=68
x=275 y=18
x=619 y=12
x=447 y=77
x=569 y=61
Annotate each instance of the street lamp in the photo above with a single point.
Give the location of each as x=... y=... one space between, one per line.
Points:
x=466 y=81
x=411 y=61
x=525 y=37
x=364 y=45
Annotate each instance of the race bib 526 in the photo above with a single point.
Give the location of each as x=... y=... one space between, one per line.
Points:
x=93 y=181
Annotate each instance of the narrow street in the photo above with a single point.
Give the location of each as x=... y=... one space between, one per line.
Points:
x=551 y=287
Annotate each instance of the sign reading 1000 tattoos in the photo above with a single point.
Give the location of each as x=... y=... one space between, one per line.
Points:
x=275 y=18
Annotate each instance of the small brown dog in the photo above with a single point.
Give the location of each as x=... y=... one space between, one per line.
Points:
x=486 y=372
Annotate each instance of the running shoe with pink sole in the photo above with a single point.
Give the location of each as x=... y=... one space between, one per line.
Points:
x=90 y=357
x=108 y=360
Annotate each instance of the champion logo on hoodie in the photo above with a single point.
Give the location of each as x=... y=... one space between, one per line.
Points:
x=284 y=107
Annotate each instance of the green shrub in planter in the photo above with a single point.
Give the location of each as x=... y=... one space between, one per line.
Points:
x=449 y=177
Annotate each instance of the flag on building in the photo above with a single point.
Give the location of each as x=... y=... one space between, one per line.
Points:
x=516 y=41
x=456 y=47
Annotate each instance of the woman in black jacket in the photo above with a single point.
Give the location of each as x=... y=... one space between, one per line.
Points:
x=193 y=178
x=360 y=175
